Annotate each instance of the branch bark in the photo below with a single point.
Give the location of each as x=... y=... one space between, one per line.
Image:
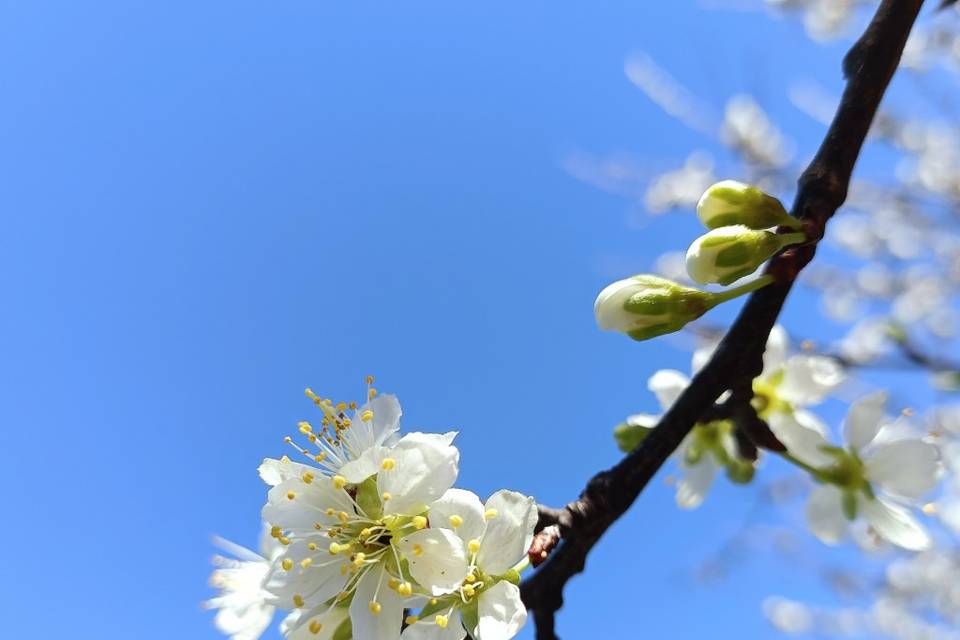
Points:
x=868 y=67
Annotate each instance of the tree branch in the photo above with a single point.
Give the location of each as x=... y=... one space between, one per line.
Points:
x=868 y=67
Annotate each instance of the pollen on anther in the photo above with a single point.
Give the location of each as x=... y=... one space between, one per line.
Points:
x=419 y=522
x=284 y=540
x=320 y=456
x=490 y=514
x=473 y=546
x=386 y=496
x=298 y=601
x=291 y=495
x=312 y=546
x=315 y=627
x=417 y=550
x=455 y=521
x=375 y=607
x=441 y=621
x=306 y=562
x=367 y=415
x=388 y=464
x=405 y=589
x=308 y=477
x=339 y=482
x=287 y=564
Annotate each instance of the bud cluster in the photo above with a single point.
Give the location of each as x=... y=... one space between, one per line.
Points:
x=739 y=217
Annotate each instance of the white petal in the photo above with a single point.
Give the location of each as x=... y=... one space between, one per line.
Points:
x=501 y=612
x=461 y=504
x=273 y=471
x=509 y=534
x=895 y=524
x=368 y=625
x=702 y=356
x=907 y=468
x=308 y=506
x=437 y=559
x=363 y=435
x=775 y=354
x=825 y=514
x=426 y=465
x=244 y=624
x=329 y=620
x=667 y=385
x=802 y=434
x=364 y=466
x=809 y=379
x=315 y=584
x=863 y=420
x=696 y=481
x=427 y=630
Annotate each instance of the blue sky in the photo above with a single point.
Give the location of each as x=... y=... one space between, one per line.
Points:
x=210 y=205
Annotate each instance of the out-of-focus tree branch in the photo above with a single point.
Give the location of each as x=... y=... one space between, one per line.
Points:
x=868 y=67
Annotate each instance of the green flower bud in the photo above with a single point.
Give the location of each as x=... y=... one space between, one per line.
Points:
x=740 y=471
x=635 y=430
x=729 y=253
x=646 y=306
x=730 y=202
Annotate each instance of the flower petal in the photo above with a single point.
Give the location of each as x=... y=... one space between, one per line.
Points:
x=895 y=524
x=509 y=533
x=428 y=630
x=667 y=385
x=315 y=584
x=437 y=559
x=295 y=505
x=364 y=434
x=297 y=624
x=462 y=504
x=775 y=354
x=825 y=514
x=808 y=379
x=384 y=625
x=501 y=612
x=426 y=465
x=862 y=423
x=273 y=471
x=802 y=434
x=696 y=481
x=907 y=468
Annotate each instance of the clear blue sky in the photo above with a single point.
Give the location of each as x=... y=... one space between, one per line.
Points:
x=208 y=206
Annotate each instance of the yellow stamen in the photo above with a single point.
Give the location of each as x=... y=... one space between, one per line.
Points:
x=405 y=589
x=388 y=464
x=367 y=415
x=473 y=546
x=291 y=495
x=490 y=514
x=315 y=627
x=375 y=607
x=455 y=521
x=386 y=496
x=306 y=562
x=308 y=477
x=287 y=564
x=298 y=601
x=441 y=621
x=419 y=522
x=339 y=482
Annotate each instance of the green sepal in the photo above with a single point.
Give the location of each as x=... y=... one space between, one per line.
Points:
x=344 y=631
x=849 y=503
x=629 y=436
x=368 y=498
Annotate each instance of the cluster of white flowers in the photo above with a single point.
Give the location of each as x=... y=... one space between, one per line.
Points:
x=878 y=475
x=372 y=528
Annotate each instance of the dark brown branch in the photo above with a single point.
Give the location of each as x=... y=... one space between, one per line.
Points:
x=822 y=189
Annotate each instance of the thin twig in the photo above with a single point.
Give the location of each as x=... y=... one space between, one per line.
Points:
x=868 y=66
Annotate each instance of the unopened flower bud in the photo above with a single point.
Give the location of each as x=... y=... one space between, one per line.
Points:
x=729 y=253
x=646 y=306
x=730 y=202
x=635 y=430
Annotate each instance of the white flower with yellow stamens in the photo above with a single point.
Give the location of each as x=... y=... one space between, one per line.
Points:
x=874 y=477
x=475 y=590
x=243 y=612
x=340 y=530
